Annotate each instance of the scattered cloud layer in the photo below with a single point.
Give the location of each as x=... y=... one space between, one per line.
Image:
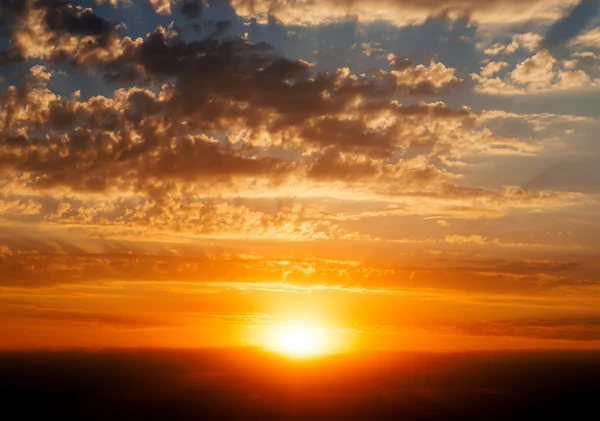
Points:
x=538 y=74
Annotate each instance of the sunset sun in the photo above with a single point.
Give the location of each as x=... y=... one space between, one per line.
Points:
x=298 y=341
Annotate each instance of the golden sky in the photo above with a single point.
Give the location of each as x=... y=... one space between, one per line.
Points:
x=414 y=175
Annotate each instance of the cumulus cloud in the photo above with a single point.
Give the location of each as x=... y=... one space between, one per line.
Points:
x=60 y=31
x=537 y=74
x=5 y=250
x=23 y=207
x=493 y=67
x=528 y=41
x=537 y=71
x=162 y=7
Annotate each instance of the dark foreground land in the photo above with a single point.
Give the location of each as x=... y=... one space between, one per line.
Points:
x=252 y=385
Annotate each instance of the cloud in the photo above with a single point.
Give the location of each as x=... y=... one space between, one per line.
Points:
x=59 y=31
x=584 y=329
x=192 y=9
x=570 y=25
x=172 y=216
x=461 y=239
x=5 y=250
x=162 y=7
x=591 y=38
x=536 y=119
x=273 y=122
x=189 y=8
x=538 y=74
x=401 y=12
x=147 y=141
x=397 y=12
x=200 y=270
x=537 y=71
x=20 y=207
x=575 y=79
x=528 y=41
x=493 y=67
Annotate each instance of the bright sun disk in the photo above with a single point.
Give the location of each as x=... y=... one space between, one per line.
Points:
x=298 y=341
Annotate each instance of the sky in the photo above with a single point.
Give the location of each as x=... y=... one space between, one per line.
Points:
x=390 y=174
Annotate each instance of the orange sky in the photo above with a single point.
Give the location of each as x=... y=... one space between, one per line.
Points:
x=415 y=175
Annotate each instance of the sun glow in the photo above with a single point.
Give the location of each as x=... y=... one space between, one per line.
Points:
x=298 y=341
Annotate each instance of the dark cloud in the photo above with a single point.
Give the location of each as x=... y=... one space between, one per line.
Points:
x=63 y=16
x=10 y=57
x=571 y=25
x=192 y=9
x=59 y=16
x=13 y=8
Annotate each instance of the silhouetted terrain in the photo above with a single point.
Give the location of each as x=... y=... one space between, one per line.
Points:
x=252 y=385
